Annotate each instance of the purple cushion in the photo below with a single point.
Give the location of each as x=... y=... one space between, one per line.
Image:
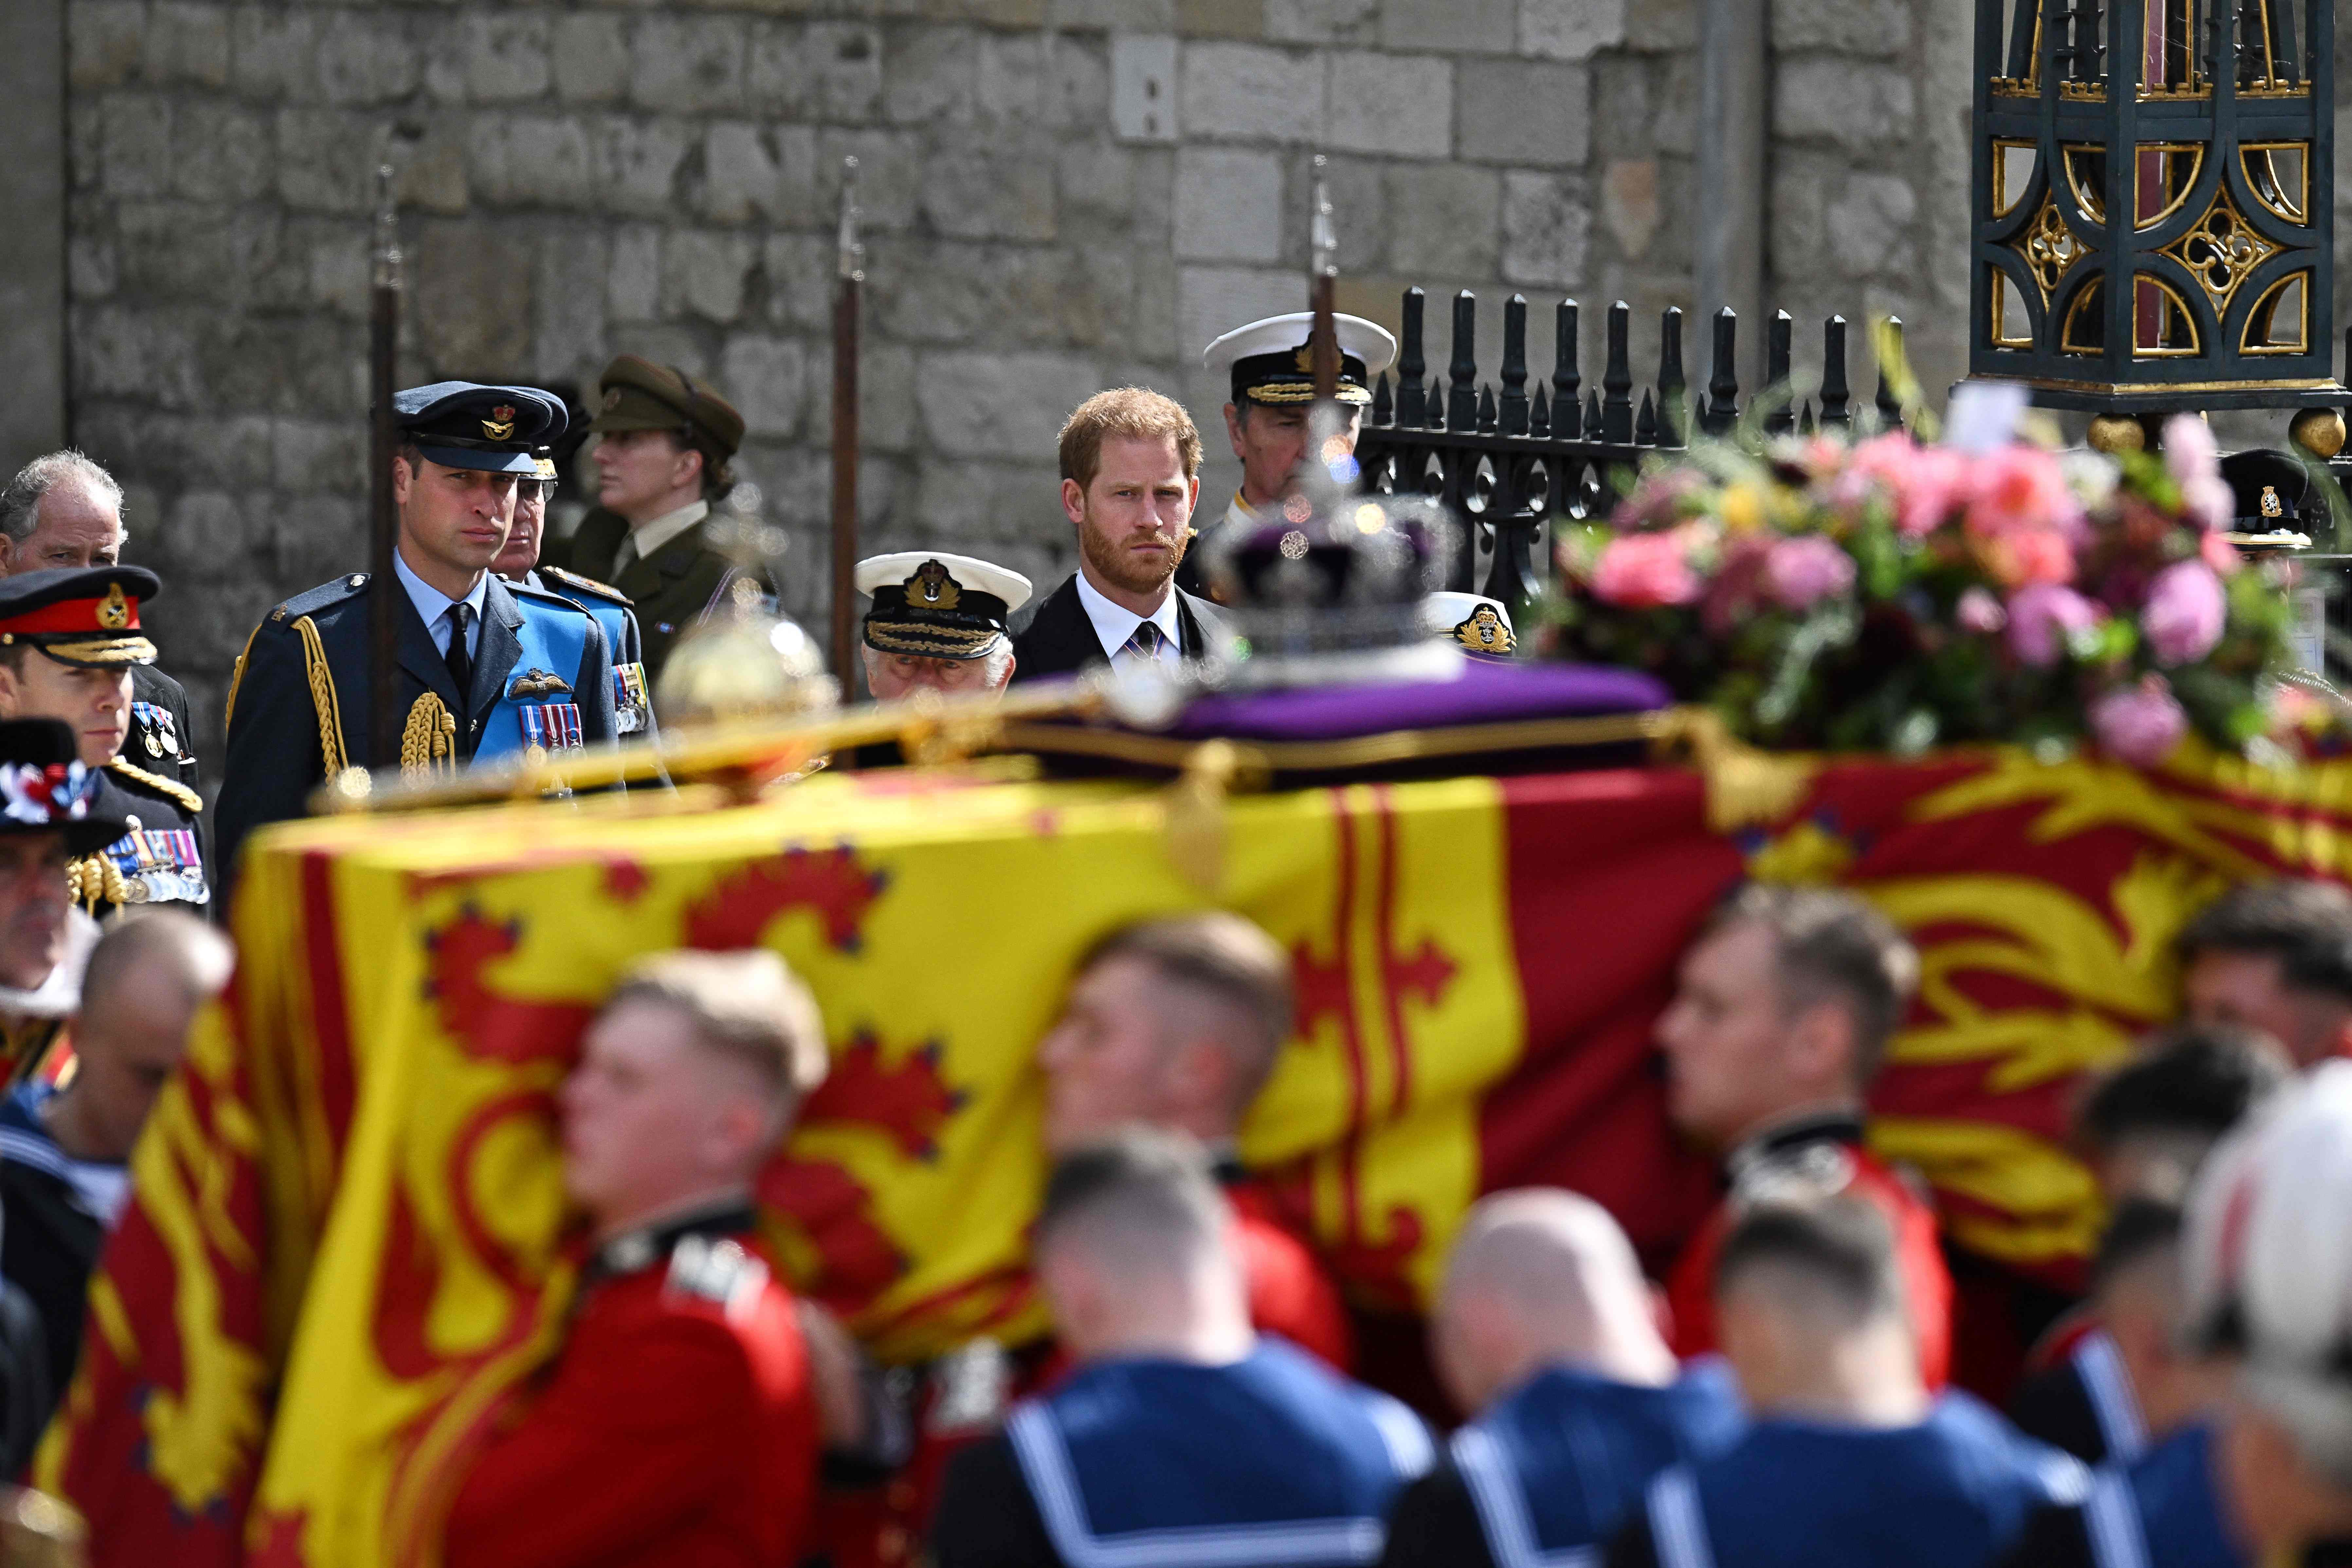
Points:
x=1486 y=694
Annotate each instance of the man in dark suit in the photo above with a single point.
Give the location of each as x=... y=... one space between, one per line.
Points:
x=64 y=509
x=664 y=443
x=488 y=669
x=1130 y=479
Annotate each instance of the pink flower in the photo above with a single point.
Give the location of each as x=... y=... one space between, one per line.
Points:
x=2017 y=556
x=1979 y=612
x=2194 y=462
x=1661 y=498
x=2185 y=613
x=2219 y=553
x=1926 y=484
x=2040 y=616
x=2140 y=723
x=1801 y=572
x=2020 y=487
x=1643 y=571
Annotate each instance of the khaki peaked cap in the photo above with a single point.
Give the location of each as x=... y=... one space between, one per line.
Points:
x=636 y=393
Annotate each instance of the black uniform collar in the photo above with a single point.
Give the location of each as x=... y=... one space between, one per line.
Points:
x=1786 y=1137
x=633 y=1251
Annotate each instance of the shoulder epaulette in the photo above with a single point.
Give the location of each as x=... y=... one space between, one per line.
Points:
x=319 y=598
x=587 y=585
x=524 y=591
x=713 y=1269
x=172 y=790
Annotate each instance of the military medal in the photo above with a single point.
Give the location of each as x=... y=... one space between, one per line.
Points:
x=631 y=707
x=549 y=727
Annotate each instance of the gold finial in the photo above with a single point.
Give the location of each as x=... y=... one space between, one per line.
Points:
x=852 y=260
x=2116 y=434
x=2318 y=431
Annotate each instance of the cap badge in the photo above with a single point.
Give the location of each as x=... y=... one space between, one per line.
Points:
x=499 y=426
x=1484 y=632
x=2271 y=507
x=931 y=588
x=114 y=610
x=1305 y=359
x=612 y=398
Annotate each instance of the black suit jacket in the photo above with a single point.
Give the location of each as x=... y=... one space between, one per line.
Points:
x=1060 y=640
x=171 y=752
x=275 y=749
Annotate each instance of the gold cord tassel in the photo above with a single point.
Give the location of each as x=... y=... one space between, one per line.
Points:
x=322 y=697
x=428 y=744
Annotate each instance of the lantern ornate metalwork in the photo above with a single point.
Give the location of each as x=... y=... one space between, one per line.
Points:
x=2153 y=199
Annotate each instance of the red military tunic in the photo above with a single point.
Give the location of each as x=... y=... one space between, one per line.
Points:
x=677 y=1427
x=1824 y=1153
x=1290 y=1291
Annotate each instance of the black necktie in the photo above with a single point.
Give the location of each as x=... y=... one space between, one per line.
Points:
x=460 y=662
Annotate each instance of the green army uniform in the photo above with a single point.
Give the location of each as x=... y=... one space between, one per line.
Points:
x=686 y=575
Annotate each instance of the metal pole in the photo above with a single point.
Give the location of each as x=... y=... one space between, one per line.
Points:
x=384 y=720
x=844 y=432
x=1323 y=291
x=1733 y=136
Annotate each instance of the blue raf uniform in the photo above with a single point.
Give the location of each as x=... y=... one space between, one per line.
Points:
x=2162 y=1511
x=1547 y=1475
x=633 y=708
x=537 y=669
x=1162 y=1464
x=1954 y=1491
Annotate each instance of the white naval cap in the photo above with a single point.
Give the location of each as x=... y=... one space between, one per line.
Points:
x=1273 y=361
x=938 y=606
x=1481 y=624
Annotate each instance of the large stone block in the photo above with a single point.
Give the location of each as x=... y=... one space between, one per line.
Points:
x=1488 y=27
x=801 y=272
x=1241 y=92
x=997 y=501
x=1107 y=15
x=1868 y=226
x=532 y=160
x=1862 y=107
x=508 y=56
x=633 y=287
x=473 y=299
x=1444 y=220
x=1228 y=206
x=271 y=53
x=1000 y=188
x=1401 y=104
x=1323 y=21
x=589 y=56
x=941 y=291
x=1843 y=27
x=315 y=455
x=688 y=64
x=1547 y=230
x=105 y=43
x=1656 y=26
x=364 y=59
x=930 y=75
x=640 y=163
x=1570 y=29
x=1532 y=113
x=749 y=171
x=703 y=274
x=187 y=43
x=1212 y=300
x=767 y=379
x=147 y=355
x=1096 y=179
x=137 y=146
x=1000 y=405
x=891 y=176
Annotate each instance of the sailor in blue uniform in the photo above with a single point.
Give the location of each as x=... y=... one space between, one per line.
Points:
x=1544 y=1329
x=487 y=670
x=1183 y=1439
x=1851 y=1463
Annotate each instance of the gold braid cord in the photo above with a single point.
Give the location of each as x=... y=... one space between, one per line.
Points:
x=236 y=678
x=171 y=789
x=428 y=745
x=322 y=697
x=94 y=879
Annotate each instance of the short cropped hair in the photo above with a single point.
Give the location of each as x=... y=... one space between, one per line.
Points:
x=2194 y=1078
x=2138 y=1229
x=746 y=1005
x=20 y=501
x=1830 y=946
x=197 y=955
x=1229 y=961
x=1838 y=1249
x=1152 y=1189
x=1130 y=413
x=2305 y=925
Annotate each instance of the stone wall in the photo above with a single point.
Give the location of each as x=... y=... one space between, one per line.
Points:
x=663 y=177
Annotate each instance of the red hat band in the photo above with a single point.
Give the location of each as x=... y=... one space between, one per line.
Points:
x=113 y=612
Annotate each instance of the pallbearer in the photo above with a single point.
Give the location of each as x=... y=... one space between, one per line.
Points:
x=68 y=642
x=1273 y=367
x=486 y=670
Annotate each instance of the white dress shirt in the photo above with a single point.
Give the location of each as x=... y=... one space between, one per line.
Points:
x=433 y=607
x=1114 y=624
x=643 y=542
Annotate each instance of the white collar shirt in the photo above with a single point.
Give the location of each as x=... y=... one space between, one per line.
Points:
x=1115 y=624
x=433 y=607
